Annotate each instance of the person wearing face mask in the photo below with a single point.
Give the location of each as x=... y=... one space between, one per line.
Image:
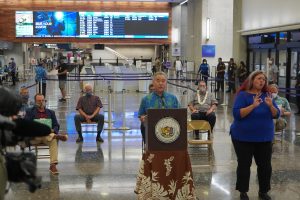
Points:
x=40 y=77
x=26 y=104
x=203 y=106
x=41 y=114
x=204 y=70
x=89 y=107
x=283 y=105
x=232 y=67
x=62 y=77
x=272 y=72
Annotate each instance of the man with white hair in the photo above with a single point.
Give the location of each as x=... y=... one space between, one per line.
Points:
x=89 y=107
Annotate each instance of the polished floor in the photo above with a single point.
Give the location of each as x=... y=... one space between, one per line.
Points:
x=108 y=170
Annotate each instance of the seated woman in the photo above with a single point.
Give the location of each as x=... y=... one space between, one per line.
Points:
x=283 y=105
x=203 y=106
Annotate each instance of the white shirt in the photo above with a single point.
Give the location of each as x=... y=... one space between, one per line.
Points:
x=178 y=65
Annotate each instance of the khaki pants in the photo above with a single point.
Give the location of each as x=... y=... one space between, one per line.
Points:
x=51 y=142
x=3 y=177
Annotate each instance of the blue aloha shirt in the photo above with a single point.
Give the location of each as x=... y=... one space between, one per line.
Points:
x=153 y=100
x=284 y=103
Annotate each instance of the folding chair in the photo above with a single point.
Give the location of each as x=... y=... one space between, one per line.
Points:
x=201 y=125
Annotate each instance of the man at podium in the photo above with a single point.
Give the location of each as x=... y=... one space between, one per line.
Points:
x=157 y=99
x=165 y=170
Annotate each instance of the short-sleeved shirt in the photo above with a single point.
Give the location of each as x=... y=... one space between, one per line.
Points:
x=89 y=104
x=62 y=67
x=210 y=100
x=40 y=74
x=178 y=65
x=153 y=100
x=283 y=102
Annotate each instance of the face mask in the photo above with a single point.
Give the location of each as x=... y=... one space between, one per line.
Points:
x=202 y=89
x=205 y=63
x=25 y=97
x=274 y=95
x=88 y=94
x=270 y=62
x=40 y=105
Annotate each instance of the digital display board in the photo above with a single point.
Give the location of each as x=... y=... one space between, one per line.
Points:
x=55 y=24
x=208 y=50
x=123 y=25
x=92 y=24
x=24 y=23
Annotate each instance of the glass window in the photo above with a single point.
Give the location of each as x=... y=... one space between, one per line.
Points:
x=295 y=67
x=282 y=37
x=282 y=69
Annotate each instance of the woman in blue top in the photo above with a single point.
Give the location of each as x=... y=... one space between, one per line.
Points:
x=252 y=133
x=40 y=77
x=204 y=70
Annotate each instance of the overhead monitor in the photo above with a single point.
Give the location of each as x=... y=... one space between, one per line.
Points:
x=123 y=25
x=137 y=25
x=46 y=24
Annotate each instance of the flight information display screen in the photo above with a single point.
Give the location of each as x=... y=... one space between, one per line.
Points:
x=123 y=25
x=92 y=24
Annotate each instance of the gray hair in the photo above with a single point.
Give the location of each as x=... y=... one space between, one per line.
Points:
x=87 y=85
x=160 y=74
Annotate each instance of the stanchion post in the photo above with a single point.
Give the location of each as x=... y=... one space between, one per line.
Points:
x=123 y=127
x=110 y=126
x=224 y=95
x=41 y=87
x=68 y=88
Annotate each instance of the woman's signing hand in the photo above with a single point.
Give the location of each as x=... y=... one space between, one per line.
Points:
x=257 y=100
x=268 y=100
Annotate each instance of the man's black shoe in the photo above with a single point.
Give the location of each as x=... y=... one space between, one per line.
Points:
x=244 y=196
x=298 y=113
x=99 y=139
x=264 y=196
x=62 y=100
x=227 y=91
x=79 y=139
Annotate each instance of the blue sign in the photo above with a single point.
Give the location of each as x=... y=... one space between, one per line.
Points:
x=208 y=50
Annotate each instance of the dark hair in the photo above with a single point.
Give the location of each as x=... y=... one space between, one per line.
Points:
x=10 y=102
x=37 y=94
x=243 y=64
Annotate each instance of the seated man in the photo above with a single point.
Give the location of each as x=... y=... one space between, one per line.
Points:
x=203 y=106
x=88 y=107
x=37 y=113
x=283 y=105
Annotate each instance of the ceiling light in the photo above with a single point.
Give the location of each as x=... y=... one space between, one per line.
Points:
x=183 y=2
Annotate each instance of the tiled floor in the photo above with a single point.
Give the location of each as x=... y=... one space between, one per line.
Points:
x=108 y=170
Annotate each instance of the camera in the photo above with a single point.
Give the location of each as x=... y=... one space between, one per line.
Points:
x=20 y=166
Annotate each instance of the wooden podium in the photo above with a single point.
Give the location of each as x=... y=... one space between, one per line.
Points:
x=166 y=129
x=166 y=160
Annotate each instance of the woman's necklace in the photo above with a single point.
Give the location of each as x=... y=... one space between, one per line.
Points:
x=199 y=97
